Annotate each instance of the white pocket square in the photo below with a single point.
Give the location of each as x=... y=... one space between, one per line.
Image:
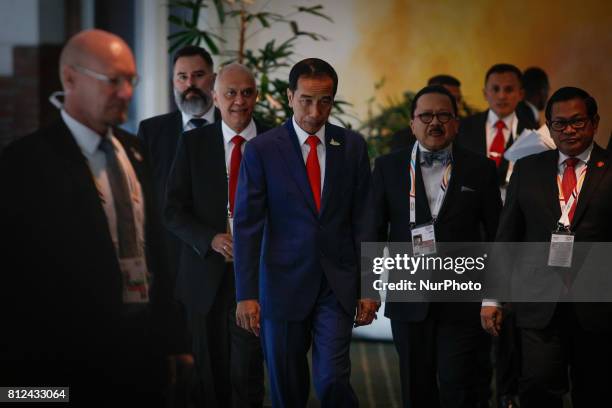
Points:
x=467 y=189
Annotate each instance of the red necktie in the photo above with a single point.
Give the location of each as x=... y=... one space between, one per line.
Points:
x=568 y=184
x=496 y=152
x=314 y=170
x=234 y=169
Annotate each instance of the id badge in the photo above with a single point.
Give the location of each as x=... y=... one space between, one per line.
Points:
x=135 y=282
x=561 y=249
x=423 y=240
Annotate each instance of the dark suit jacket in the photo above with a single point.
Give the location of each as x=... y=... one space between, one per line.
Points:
x=197 y=211
x=473 y=135
x=160 y=137
x=531 y=213
x=282 y=245
x=62 y=277
x=462 y=218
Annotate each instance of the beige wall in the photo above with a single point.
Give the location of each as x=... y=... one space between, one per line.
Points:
x=408 y=41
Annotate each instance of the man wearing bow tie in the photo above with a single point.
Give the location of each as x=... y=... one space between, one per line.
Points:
x=298 y=227
x=443 y=357
x=200 y=207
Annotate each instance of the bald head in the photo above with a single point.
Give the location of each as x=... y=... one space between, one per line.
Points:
x=235 y=94
x=96 y=70
x=232 y=70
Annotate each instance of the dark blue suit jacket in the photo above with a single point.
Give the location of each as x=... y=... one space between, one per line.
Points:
x=282 y=246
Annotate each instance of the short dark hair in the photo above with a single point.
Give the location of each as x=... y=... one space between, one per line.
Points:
x=444 y=80
x=534 y=80
x=190 y=51
x=568 y=93
x=312 y=67
x=432 y=89
x=503 y=68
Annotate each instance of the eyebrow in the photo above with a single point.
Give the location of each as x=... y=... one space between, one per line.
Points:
x=199 y=71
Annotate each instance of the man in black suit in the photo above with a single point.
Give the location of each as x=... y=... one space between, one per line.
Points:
x=193 y=79
x=557 y=335
x=536 y=86
x=201 y=191
x=404 y=137
x=493 y=131
x=89 y=301
x=437 y=343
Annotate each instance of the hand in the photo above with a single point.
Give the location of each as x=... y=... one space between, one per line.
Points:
x=247 y=315
x=223 y=244
x=181 y=367
x=491 y=318
x=366 y=311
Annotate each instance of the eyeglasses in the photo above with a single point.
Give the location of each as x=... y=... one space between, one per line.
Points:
x=428 y=117
x=115 y=82
x=576 y=124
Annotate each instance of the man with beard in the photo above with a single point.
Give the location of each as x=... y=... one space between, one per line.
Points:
x=193 y=80
x=201 y=191
x=82 y=244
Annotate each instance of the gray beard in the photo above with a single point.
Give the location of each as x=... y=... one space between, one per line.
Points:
x=194 y=106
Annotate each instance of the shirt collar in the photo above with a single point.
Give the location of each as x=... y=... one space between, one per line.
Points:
x=584 y=156
x=209 y=116
x=247 y=133
x=492 y=119
x=87 y=139
x=302 y=135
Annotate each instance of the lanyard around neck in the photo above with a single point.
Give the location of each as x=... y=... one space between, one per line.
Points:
x=566 y=207
x=441 y=192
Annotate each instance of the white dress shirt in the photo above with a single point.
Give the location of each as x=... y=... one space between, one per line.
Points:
x=209 y=116
x=247 y=133
x=302 y=136
x=89 y=141
x=432 y=176
x=509 y=131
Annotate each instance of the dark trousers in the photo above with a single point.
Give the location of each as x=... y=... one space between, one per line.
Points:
x=286 y=344
x=229 y=359
x=454 y=355
x=548 y=353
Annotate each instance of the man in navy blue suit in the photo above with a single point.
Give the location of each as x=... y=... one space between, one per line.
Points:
x=298 y=225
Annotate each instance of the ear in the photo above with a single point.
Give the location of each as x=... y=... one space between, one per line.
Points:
x=484 y=92
x=290 y=97
x=67 y=77
x=412 y=125
x=215 y=98
x=595 y=122
x=522 y=93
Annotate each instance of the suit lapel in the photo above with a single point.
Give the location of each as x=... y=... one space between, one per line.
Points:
x=213 y=153
x=76 y=167
x=545 y=184
x=291 y=153
x=596 y=168
x=333 y=162
x=422 y=211
x=456 y=180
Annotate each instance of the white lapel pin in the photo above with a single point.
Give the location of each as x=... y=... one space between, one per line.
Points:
x=334 y=143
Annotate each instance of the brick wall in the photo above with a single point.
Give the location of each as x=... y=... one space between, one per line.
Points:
x=24 y=104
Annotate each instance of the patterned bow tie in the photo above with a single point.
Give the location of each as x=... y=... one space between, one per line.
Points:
x=429 y=158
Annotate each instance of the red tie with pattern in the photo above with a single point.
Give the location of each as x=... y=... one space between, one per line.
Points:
x=234 y=169
x=496 y=152
x=568 y=184
x=314 y=170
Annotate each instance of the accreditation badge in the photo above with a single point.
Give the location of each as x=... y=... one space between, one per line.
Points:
x=423 y=240
x=135 y=280
x=561 y=249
